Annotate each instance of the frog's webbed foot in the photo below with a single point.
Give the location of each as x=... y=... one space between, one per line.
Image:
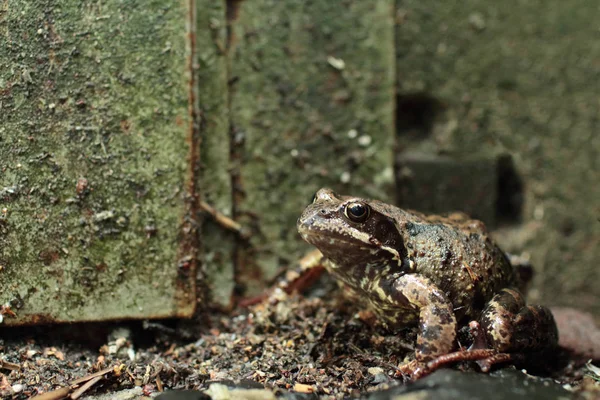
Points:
x=499 y=358
x=485 y=359
x=480 y=343
x=479 y=352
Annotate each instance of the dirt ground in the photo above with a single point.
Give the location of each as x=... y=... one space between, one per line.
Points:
x=316 y=344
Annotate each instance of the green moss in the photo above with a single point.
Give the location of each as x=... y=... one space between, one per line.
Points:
x=213 y=94
x=304 y=76
x=93 y=92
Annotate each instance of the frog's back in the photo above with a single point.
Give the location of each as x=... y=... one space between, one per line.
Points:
x=457 y=254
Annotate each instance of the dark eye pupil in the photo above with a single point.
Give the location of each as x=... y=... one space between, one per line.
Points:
x=357 y=210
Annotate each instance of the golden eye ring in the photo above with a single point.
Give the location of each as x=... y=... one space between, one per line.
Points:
x=357 y=212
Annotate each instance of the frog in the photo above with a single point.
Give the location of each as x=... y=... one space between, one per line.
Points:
x=431 y=272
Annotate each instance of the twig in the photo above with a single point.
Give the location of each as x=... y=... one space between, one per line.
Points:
x=224 y=220
x=308 y=269
x=63 y=392
x=84 y=388
x=92 y=376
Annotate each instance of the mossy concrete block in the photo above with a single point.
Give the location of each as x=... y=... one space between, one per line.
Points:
x=94 y=177
x=518 y=78
x=312 y=100
x=213 y=95
x=439 y=184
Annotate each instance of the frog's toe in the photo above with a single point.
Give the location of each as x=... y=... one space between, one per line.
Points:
x=460 y=356
x=487 y=363
x=412 y=370
x=478 y=335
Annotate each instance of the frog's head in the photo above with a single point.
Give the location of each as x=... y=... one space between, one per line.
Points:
x=353 y=232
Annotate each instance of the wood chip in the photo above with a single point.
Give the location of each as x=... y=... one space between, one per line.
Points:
x=312 y=259
x=53 y=395
x=302 y=388
x=9 y=366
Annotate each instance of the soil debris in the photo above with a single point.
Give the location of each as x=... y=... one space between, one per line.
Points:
x=315 y=346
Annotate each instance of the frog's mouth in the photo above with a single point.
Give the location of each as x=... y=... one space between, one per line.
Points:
x=319 y=228
x=325 y=238
x=348 y=253
x=341 y=243
x=341 y=247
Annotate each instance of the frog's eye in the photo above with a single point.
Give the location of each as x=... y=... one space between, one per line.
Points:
x=357 y=212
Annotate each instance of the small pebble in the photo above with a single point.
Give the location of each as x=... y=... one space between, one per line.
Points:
x=477 y=22
x=345 y=177
x=336 y=63
x=18 y=388
x=375 y=370
x=365 y=140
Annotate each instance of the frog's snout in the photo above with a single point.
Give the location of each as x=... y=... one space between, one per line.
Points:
x=310 y=220
x=303 y=229
x=304 y=223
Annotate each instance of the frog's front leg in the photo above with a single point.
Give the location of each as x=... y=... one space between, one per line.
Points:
x=437 y=323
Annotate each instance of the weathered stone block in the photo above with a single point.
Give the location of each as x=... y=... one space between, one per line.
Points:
x=94 y=178
x=312 y=100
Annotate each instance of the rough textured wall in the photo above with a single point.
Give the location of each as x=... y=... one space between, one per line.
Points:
x=523 y=78
x=213 y=93
x=93 y=127
x=312 y=93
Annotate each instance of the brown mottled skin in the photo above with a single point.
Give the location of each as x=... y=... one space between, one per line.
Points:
x=427 y=270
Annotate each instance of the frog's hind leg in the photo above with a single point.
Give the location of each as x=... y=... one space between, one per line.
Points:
x=511 y=326
x=509 y=329
x=480 y=343
x=479 y=352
